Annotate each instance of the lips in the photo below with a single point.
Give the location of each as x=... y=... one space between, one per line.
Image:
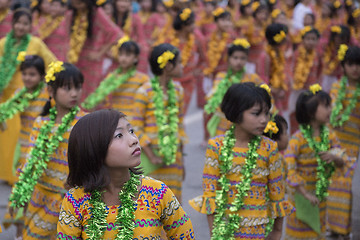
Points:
x=136 y=152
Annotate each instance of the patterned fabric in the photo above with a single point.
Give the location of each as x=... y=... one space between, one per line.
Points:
x=301 y=166
x=44 y=206
x=256 y=38
x=10 y=137
x=123 y=98
x=157 y=208
x=267 y=175
x=144 y=122
x=5 y=25
x=339 y=201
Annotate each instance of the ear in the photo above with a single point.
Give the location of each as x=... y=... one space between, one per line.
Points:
x=168 y=68
x=50 y=91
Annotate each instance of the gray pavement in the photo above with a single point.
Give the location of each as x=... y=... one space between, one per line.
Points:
x=194 y=162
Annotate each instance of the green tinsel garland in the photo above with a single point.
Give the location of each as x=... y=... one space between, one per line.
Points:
x=166 y=121
x=110 y=84
x=8 y=61
x=323 y=170
x=335 y=119
x=224 y=226
x=39 y=157
x=97 y=224
x=19 y=102
x=223 y=86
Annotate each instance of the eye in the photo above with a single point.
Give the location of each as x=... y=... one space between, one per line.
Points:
x=119 y=135
x=131 y=131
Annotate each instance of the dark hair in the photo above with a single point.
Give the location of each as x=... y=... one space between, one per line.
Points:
x=178 y=24
x=156 y=52
x=243 y=7
x=223 y=15
x=351 y=19
x=233 y=48
x=33 y=61
x=19 y=13
x=344 y=35
x=37 y=7
x=281 y=124
x=307 y=104
x=260 y=8
x=270 y=5
x=104 y=3
x=272 y=30
x=116 y=17
x=91 y=6
x=130 y=47
x=352 y=56
x=333 y=10
x=88 y=146
x=61 y=2
x=70 y=75
x=241 y=97
x=313 y=30
x=153 y=5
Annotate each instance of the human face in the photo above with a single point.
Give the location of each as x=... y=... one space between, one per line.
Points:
x=209 y=8
x=79 y=5
x=322 y=114
x=4 y=4
x=177 y=70
x=284 y=139
x=237 y=61
x=352 y=71
x=261 y=16
x=45 y=7
x=145 y=5
x=22 y=26
x=310 y=41
x=108 y=9
x=224 y=24
x=308 y=20
x=124 y=150
x=67 y=97
x=188 y=29
x=281 y=19
x=127 y=60
x=57 y=9
x=31 y=77
x=122 y=6
x=254 y=120
x=248 y=10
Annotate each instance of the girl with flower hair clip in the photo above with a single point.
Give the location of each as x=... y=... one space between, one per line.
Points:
x=242 y=170
x=205 y=19
x=345 y=121
x=158 y=119
x=5 y=18
x=312 y=156
x=118 y=89
x=245 y=17
x=41 y=186
x=110 y=198
x=354 y=25
x=17 y=40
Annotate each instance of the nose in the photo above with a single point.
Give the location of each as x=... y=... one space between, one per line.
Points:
x=134 y=140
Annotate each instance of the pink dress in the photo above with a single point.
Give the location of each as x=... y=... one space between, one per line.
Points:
x=104 y=32
x=5 y=25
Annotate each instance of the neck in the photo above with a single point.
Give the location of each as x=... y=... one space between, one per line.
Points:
x=353 y=82
x=125 y=70
x=163 y=81
x=118 y=177
x=61 y=112
x=182 y=34
x=242 y=137
x=315 y=125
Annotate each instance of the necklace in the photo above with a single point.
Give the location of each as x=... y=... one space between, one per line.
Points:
x=304 y=63
x=323 y=170
x=78 y=37
x=8 y=61
x=337 y=119
x=166 y=120
x=186 y=50
x=215 y=50
x=107 y=86
x=49 y=26
x=125 y=218
x=3 y=14
x=330 y=60
x=19 y=102
x=277 y=68
x=221 y=89
x=45 y=145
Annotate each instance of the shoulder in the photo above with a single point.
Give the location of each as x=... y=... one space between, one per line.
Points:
x=253 y=77
x=153 y=186
x=215 y=143
x=220 y=75
x=145 y=88
x=35 y=40
x=297 y=136
x=76 y=195
x=268 y=145
x=141 y=76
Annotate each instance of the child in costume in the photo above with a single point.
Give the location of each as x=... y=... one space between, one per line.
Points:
x=110 y=198
x=5 y=18
x=311 y=157
x=41 y=186
x=118 y=89
x=345 y=119
x=158 y=119
x=242 y=170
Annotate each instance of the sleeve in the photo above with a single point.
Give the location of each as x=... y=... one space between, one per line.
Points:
x=68 y=227
x=218 y=78
x=291 y=153
x=176 y=222
x=45 y=53
x=263 y=67
x=182 y=133
x=206 y=203
x=139 y=115
x=110 y=30
x=279 y=207
x=334 y=93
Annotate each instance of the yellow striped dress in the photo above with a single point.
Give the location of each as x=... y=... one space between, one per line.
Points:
x=123 y=98
x=301 y=166
x=340 y=197
x=144 y=122
x=256 y=210
x=224 y=124
x=43 y=209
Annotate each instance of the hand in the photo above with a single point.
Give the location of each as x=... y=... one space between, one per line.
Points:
x=274 y=235
x=329 y=158
x=156 y=160
x=312 y=198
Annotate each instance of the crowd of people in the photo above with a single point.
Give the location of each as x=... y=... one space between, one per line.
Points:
x=93 y=95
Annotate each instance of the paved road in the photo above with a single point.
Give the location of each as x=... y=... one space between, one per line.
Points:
x=194 y=162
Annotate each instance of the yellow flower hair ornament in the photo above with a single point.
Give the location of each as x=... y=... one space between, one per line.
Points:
x=21 y=56
x=266 y=87
x=305 y=30
x=168 y=3
x=123 y=40
x=356 y=13
x=164 y=58
x=275 y=13
x=337 y=4
x=34 y=3
x=255 y=6
x=349 y=3
x=65 y=1
x=100 y=2
x=245 y=2
x=272 y=2
x=271 y=127
x=315 y=88
x=185 y=14
x=336 y=29
x=342 y=51
x=217 y=12
x=241 y=42
x=279 y=37
x=54 y=67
